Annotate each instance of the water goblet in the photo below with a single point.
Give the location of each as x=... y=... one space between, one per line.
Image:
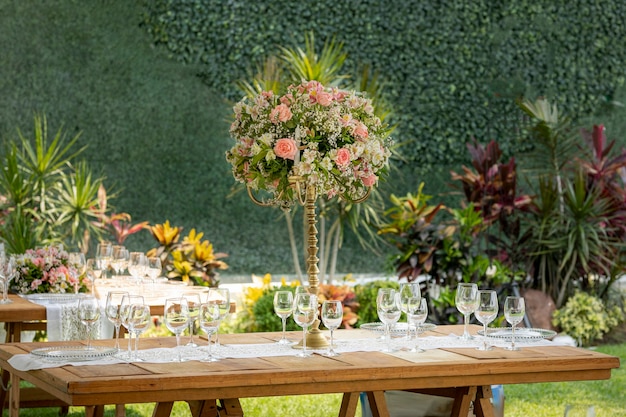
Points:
x=332 y=316
x=119 y=261
x=283 y=307
x=176 y=317
x=138 y=322
x=419 y=314
x=93 y=271
x=193 y=303
x=304 y=314
x=466 y=300
x=209 y=321
x=88 y=313
x=127 y=301
x=222 y=297
x=388 y=308
x=137 y=264
x=112 y=310
x=104 y=255
x=409 y=290
x=154 y=268
x=514 y=311
x=486 y=312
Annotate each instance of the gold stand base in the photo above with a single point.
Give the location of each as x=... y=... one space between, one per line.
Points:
x=314 y=338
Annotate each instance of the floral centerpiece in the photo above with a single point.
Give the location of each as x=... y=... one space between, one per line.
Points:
x=328 y=137
x=47 y=270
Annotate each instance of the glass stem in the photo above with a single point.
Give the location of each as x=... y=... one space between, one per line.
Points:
x=408 y=326
x=136 y=346
x=117 y=336
x=191 y=333
x=485 y=335
x=130 y=339
x=180 y=358
x=513 y=337
x=208 y=337
x=388 y=336
x=304 y=340
x=466 y=334
x=89 y=336
x=284 y=328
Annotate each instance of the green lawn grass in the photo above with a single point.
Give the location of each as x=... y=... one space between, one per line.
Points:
x=537 y=400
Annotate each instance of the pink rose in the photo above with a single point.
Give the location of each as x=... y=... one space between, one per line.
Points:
x=286 y=148
x=343 y=157
x=369 y=180
x=324 y=98
x=360 y=130
x=280 y=113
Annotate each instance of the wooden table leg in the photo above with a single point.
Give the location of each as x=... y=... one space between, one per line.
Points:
x=14 y=397
x=231 y=407
x=94 y=411
x=163 y=409
x=348 y=404
x=378 y=404
x=205 y=408
x=463 y=401
x=482 y=404
x=120 y=410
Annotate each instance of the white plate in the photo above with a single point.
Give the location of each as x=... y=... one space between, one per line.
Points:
x=74 y=353
x=521 y=333
x=399 y=329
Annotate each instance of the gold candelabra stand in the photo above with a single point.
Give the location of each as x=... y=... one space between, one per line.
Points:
x=306 y=195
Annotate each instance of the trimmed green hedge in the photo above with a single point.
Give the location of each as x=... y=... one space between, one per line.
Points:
x=453 y=68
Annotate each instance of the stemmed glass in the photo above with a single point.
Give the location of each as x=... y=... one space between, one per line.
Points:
x=137 y=265
x=388 y=308
x=154 y=269
x=283 y=307
x=222 y=297
x=104 y=255
x=209 y=321
x=77 y=260
x=409 y=292
x=419 y=314
x=514 y=311
x=127 y=301
x=193 y=303
x=486 y=312
x=112 y=310
x=176 y=316
x=88 y=313
x=304 y=314
x=93 y=270
x=332 y=316
x=7 y=272
x=466 y=300
x=120 y=259
x=138 y=322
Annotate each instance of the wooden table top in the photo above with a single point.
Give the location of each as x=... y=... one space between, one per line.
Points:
x=278 y=376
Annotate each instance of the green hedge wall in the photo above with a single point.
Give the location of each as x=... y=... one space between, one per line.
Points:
x=454 y=67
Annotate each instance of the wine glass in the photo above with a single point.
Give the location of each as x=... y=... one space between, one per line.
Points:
x=514 y=311
x=388 y=308
x=8 y=270
x=104 y=255
x=466 y=300
x=332 y=316
x=138 y=322
x=154 y=268
x=209 y=321
x=79 y=264
x=176 y=316
x=222 y=297
x=283 y=307
x=409 y=290
x=304 y=314
x=112 y=310
x=419 y=314
x=486 y=312
x=127 y=301
x=137 y=264
x=88 y=313
x=93 y=270
x=120 y=259
x=193 y=303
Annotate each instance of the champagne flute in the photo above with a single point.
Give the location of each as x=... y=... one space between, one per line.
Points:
x=514 y=311
x=304 y=314
x=419 y=314
x=176 y=316
x=486 y=312
x=409 y=290
x=332 y=316
x=388 y=308
x=222 y=297
x=193 y=303
x=466 y=300
x=138 y=322
x=283 y=307
x=112 y=310
x=209 y=321
x=88 y=313
x=127 y=301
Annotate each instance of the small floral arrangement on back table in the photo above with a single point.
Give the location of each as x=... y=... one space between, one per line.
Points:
x=47 y=270
x=329 y=137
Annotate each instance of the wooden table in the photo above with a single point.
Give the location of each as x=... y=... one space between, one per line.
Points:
x=463 y=374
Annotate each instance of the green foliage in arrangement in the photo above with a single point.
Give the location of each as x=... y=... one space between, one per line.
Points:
x=366 y=294
x=585 y=318
x=452 y=69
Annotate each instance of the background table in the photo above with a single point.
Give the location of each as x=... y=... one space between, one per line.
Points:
x=464 y=374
